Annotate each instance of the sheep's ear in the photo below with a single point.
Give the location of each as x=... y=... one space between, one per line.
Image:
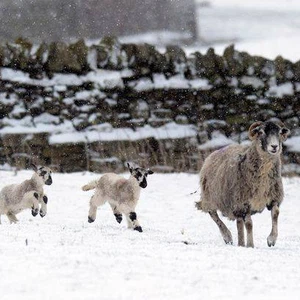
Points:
x=150 y=172
x=254 y=130
x=284 y=133
x=34 y=167
x=129 y=167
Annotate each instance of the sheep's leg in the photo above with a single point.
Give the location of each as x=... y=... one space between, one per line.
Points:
x=92 y=213
x=274 y=232
x=32 y=201
x=12 y=217
x=226 y=234
x=117 y=213
x=133 y=221
x=249 y=229
x=95 y=201
x=43 y=210
x=240 y=230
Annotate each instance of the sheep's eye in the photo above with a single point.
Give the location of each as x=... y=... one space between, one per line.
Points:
x=139 y=174
x=43 y=173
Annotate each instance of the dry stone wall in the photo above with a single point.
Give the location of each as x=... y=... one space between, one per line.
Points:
x=79 y=107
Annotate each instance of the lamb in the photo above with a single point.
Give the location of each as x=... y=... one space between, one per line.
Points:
x=15 y=198
x=240 y=181
x=122 y=194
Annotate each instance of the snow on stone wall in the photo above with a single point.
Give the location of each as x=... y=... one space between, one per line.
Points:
x=63 y=103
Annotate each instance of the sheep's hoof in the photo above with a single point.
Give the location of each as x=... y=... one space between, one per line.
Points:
x=119 y=218
x=228 y=242
x=42 y=214
x=34 y=212
x=90 y=220
x=271 y=240
x=138 y=228
x=228 y=238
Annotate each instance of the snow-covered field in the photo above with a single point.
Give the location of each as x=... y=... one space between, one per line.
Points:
x=180 y=254
x=268 y=28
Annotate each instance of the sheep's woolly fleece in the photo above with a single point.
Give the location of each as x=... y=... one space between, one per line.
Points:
x=180 y=254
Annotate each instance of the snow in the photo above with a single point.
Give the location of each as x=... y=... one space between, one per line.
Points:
x=255 y=82
x=293 y=144
x=268 y=28
x=174 y=82
x=218 y=140
x=284 y=89
x=105 y=132
x=104 y=78
x=180 y=254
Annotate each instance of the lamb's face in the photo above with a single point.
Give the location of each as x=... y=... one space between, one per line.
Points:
x=45 y=174
x=270 y=136
x=140 y=174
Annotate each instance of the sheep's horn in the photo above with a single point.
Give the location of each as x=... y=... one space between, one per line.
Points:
x=252 y=132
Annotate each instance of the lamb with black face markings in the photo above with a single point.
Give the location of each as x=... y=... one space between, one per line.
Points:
x=122 y=194
x=240 y=181
x=29 y=194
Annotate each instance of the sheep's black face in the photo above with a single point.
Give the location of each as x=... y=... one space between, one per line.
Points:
x=45 y=174
x=140 y=174
x=271 y=137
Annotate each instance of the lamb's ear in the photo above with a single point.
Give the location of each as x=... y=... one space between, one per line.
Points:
x=254 y=129
x=285 y=133
x=149 y=172
x=34 y=167
x=129 y=167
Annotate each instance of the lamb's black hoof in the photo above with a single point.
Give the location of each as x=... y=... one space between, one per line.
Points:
x=34 y=212
x=138 y=228
x=90 y=220
x=119 y=218
x=42 y=214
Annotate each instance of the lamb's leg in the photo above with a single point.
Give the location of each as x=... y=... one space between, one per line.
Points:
x=249 y=229
x=226 y=234
x=274 y=232
x=43 y=210
x=133 y=221
x=117 y=213
x=95 y=201
x=240 y=230
x=12 y=217
x=31 y=200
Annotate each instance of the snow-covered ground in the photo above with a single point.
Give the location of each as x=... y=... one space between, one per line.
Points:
x=268 y=28
x=180 y=254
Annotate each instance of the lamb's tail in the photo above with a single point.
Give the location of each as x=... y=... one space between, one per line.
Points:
x=90 y=186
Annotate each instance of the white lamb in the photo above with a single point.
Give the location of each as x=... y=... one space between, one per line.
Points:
x=122 y=194
x=15 y=198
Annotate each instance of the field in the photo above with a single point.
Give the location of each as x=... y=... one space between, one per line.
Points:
x=180 y=254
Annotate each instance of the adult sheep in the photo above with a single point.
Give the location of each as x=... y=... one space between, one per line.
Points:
x=240 y=181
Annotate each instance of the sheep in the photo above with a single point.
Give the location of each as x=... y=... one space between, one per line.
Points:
x=122 y=194
x=15 y=198
x=241 y=180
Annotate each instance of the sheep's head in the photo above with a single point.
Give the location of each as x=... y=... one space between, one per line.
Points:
x=43 y=173
x=270 y=136
x=140 y=174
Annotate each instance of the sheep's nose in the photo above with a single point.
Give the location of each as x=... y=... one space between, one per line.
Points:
x=274 y=147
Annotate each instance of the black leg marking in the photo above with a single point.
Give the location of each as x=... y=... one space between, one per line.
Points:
x=45 y=199
x=36 y=195
x=119 y=218
x=90 y=220
x=132 y=216
x=34 y=212
x=138 y=228
x=42 y=214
